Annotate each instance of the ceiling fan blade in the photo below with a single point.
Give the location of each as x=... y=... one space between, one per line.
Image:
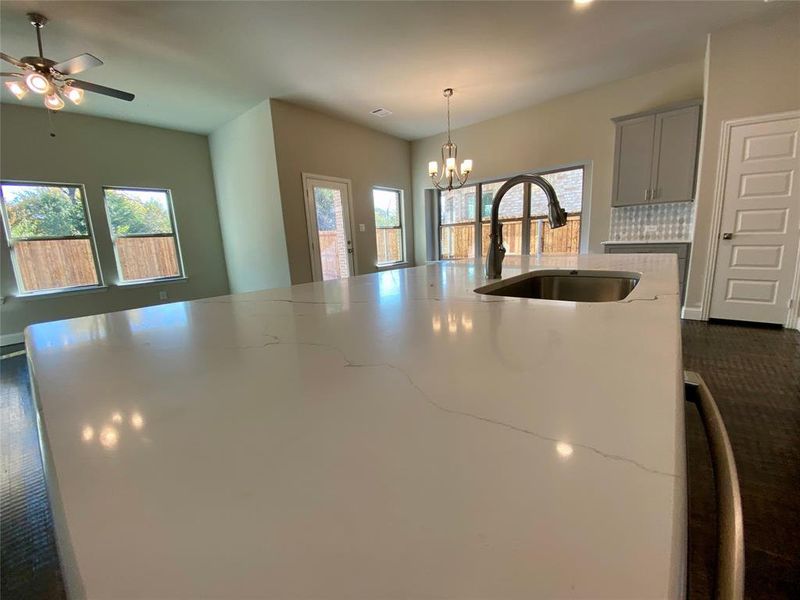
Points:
x=9 y=74
x=14 y=61
x=101 y=89
x=77 y=64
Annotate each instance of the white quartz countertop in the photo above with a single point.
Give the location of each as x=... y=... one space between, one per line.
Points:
x=394 y=435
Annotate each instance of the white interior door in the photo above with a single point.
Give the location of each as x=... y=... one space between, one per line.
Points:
x=329 y=234
x=760 y=227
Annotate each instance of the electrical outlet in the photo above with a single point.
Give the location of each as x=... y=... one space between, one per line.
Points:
x=162 y=295
x=362 y=228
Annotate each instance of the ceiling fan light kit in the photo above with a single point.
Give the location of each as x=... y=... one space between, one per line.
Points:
x=16 y=88
x=53 y=80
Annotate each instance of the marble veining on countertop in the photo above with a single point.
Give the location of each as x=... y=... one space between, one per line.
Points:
x=393 y=435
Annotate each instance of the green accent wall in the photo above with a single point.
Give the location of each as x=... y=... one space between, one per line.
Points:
x=99 y=152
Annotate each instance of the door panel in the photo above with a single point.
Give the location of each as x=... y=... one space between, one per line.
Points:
x=330 y=234
x=675 y=155
x=760 y=225
x=634 y=161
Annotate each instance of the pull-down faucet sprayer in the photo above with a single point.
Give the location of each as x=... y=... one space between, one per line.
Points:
x=497 y=252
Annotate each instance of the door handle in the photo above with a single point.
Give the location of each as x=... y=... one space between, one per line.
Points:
x=727 y=236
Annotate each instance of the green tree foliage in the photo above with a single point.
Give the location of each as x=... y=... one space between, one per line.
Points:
x=326 y=211
x=46 y=211
x=385 y=217
x=131 y=215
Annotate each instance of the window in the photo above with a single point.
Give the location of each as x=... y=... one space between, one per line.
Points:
x=457 y=223
x=48 y=231
x=564 y=240
x=388 y=225
x=143 y=230
x=523 y=213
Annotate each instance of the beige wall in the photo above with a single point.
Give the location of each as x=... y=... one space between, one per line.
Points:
x=249 y=200
x=571 y=129
x=310 y=142
x=752 y=69
x=96 y=152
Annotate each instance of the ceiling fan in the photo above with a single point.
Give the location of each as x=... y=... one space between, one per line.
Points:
x=54 y=80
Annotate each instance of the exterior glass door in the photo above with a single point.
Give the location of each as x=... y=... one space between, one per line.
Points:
x=331 y=242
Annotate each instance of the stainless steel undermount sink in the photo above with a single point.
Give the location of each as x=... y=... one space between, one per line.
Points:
x=572 y=286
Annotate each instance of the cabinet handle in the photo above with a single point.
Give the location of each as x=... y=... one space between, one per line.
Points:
x=647 y=194
x=656 y=193
x=730 y=549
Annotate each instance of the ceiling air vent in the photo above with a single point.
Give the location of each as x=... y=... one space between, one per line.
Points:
x=380 y=112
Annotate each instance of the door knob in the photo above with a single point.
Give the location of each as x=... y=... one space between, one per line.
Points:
x=727 y=236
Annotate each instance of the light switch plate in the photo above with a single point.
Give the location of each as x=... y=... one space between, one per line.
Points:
x=362 y=228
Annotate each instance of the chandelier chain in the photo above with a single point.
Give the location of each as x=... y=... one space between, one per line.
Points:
x=448 y=120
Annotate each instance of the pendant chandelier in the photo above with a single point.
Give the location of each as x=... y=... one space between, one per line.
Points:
x=451 y=177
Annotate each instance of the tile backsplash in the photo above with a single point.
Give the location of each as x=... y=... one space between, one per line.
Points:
x=671 y=221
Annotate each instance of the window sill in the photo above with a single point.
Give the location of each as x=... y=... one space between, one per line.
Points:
x=65 y=292
x=149 y=282
x=394 y=265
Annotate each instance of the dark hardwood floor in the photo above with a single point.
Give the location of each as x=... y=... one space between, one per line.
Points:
x=754 y=374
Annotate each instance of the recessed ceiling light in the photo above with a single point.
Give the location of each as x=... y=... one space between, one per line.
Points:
x=380 y=112
x=582 y=2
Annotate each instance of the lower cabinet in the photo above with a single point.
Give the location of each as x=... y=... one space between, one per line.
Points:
x=681 y=249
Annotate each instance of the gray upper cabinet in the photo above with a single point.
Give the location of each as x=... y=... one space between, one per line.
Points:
x=635 y=146
x=655 y=157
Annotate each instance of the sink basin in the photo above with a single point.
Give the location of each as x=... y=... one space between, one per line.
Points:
x=572 y=286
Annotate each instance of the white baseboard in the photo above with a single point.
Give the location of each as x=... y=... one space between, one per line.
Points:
x=11 y=338
x=692 y=313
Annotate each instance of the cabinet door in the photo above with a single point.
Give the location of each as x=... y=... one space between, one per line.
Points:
x=675 y=155
x=633 y=161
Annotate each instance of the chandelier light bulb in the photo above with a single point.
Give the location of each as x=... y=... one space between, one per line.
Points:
x=53 y=102
x=466 y=166
x=74 y=94
x=16 y=88
x=37 y=83
x=450 y=164
x=433 y=167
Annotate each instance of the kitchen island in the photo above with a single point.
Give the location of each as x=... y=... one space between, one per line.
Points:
x=394 y=435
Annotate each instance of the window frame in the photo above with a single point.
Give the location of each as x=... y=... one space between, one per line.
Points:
x=402 y=227
x=583 y=234
x=11 y=241
x=176 y=241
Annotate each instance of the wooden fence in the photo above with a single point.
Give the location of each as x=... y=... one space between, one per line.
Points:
x=389 y=245
x=333 y=256
x=458 y=241
x=147 y=257
x=564 y=240
x=54 y=264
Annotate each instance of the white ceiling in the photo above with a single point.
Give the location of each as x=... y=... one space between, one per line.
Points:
x=195 y=65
